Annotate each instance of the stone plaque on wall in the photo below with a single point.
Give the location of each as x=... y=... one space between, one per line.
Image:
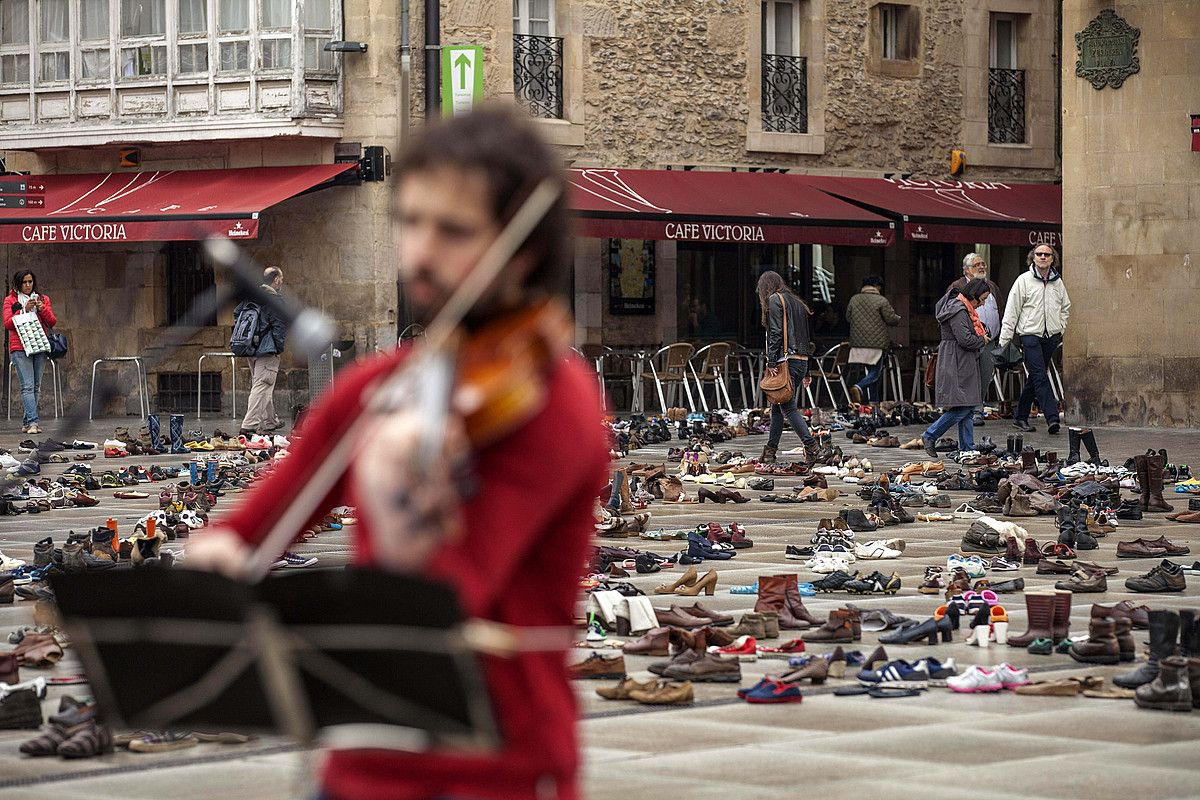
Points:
x=1107 y=50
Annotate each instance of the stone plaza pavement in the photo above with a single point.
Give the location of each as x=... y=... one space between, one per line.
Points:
x=938 y=745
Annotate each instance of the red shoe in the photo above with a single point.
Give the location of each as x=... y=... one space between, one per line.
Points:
x=784 y=650
x=744 y=647
x=737 y=537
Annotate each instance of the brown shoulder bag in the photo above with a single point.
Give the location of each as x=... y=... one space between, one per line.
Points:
x=776 y=382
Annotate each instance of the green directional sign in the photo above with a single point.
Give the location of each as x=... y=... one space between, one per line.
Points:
x=462 y=78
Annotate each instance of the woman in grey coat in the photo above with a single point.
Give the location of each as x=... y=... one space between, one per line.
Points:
x=957 y=388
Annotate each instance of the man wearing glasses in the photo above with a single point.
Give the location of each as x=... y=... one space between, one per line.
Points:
x=989 y=314
x=1037 y=313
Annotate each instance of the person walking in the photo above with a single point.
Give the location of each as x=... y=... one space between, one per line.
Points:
x=870 y=315
x=22 y=299
x=779 y=304
x=264 y=364
x=1036 y=316
x=956 y=388
x=989 y=314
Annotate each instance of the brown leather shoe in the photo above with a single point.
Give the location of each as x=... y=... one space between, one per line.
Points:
x=678 y=617
x=1084 y=581
x=1172 y=548
x=708 y=668
x=817 y=670
x=715 y=618
x=664 y=693
x=1140 y=548
x=621 y=690
x=1092 y=566
x=1101 y=646
x=751 y=625
x=1049 y=567
x=597 y=666
x=1139 y=615
x=654 y=642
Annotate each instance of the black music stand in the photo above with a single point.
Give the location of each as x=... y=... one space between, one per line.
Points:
x=357 y=658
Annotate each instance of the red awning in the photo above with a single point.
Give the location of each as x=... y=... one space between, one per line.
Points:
x=969 y=212
x=161 y=206
x=741 y=207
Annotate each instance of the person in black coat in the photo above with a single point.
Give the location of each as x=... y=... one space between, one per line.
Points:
x=957 y=389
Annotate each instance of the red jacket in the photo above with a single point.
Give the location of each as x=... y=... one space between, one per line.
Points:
x=526 y=528
x=46 y=315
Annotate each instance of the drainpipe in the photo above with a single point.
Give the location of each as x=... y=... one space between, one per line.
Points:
x=405 y=78
x=433 y=59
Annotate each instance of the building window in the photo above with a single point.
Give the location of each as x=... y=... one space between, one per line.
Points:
x=537 y=58
x=1006 y=84
x=189 y=274
x=899 y=28
x=53 y=42
x=784 y=70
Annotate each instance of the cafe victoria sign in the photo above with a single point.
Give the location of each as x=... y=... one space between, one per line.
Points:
x=1107 y=50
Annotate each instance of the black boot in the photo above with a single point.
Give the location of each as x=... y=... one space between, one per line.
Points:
x=1011 y=442
x=1074 y=435
x=1066 y=526
x=1188 y=633
x=1089 y=442
x=1164 y=631
x=1083 y=539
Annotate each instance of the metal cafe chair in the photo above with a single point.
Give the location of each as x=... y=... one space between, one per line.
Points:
x=920 y=392
x=744 y=369
x=596 y=354
x=831 y=366
x=142 y=384
x=891 y=376
x=714 y=369
x=669 y=366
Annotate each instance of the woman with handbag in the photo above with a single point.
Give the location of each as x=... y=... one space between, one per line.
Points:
x=789 y=344
x=25 y=299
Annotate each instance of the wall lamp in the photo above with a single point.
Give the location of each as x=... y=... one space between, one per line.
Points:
x=345 y=47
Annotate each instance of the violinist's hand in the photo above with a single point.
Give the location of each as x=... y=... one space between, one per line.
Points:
x=413 y=507
x=217 y=550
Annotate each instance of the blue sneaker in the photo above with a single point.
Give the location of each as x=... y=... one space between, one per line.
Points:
x=900 y=674
x=805 y=589
x=938 y=671
x=774 y=691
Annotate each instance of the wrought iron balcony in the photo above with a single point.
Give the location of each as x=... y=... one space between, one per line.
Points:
x=538 y=74
x=785 y=94
x=1006 y=106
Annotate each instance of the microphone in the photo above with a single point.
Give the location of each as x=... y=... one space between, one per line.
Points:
x=310 y=331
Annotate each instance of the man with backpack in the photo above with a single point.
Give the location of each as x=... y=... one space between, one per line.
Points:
x=258 y=334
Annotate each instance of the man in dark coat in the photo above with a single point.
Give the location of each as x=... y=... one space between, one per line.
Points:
x=957 y=388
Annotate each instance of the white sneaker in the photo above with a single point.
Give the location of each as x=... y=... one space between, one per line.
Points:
x=8 y=462
x=38 y=685
x=825 y=566
x=875 y=550
x=7 y=564
x=35 y=492
x=976 y=679
x=1011 y=677
x=280 y=441
x=114 y=443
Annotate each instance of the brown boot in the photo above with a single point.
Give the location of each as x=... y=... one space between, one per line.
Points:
x=1039 y=608
x=1152 y=492
x=1028 y=462
x=795 y=602
x=751 y=625
x=769 y=455
x=1126 y=644
x=1170 y=691
x=838 y=628
x=1061 y=627
x=627 y=506
x=771 y=624
x=772 y=596
x=1101 y=646
x=717 y=637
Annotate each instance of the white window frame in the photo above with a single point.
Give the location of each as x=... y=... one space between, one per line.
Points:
x=770 y=43
x=994 y=41
x=521 y=19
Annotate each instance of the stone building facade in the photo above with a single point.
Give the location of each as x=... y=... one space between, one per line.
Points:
x=1131 y=219
x=887 y=88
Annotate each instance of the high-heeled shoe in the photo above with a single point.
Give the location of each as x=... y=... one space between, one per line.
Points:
x=686 y=579
x=709 y=494
x=980 y=628
x=729 y=494
x=816 y=670
x=929 y=629
x=707 y=584
x=837 y=663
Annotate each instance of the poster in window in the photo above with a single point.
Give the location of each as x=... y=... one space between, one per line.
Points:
x=630 y=276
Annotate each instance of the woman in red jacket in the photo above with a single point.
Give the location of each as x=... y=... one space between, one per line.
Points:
x=25 y=297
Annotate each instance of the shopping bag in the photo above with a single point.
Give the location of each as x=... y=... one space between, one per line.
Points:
x=31 y=333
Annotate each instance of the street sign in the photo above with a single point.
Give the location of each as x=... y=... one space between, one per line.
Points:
x=462 y=78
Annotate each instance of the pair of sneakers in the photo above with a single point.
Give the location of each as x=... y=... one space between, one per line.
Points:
x=980 y=679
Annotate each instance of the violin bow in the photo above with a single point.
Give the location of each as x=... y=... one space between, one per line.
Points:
x=439 y=334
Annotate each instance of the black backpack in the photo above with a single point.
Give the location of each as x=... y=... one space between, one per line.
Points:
x=247 y=330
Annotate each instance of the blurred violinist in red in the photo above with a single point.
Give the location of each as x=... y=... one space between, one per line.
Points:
x=501 y=507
